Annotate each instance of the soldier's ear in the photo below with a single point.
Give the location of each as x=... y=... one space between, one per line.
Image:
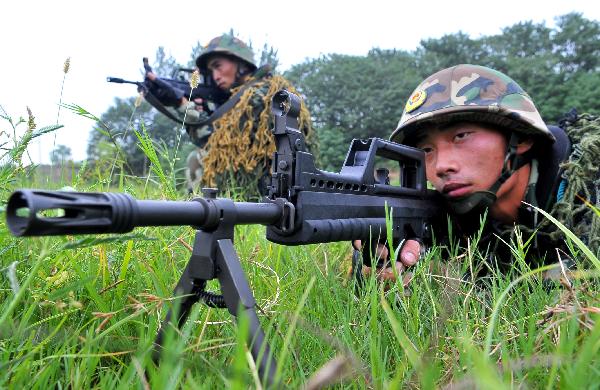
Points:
x=524 y=145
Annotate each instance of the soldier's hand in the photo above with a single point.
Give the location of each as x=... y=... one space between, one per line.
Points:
x=409 y=255
x=198 y=102
x=151 y=75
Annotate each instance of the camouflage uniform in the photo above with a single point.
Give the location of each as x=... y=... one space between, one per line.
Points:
x=482 y=95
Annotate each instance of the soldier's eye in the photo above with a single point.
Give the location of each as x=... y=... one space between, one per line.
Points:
x=462 y=135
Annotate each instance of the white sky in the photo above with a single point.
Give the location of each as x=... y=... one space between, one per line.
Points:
x=109 y=38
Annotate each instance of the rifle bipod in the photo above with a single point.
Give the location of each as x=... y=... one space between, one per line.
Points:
x=214 y=257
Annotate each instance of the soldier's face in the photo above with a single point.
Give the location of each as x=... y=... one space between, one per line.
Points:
x=223 y=70
x=463 y=158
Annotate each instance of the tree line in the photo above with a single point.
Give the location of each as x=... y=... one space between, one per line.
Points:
x=363 y=96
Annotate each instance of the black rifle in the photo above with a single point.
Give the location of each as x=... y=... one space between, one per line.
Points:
x=167 y=92
x=305 y=205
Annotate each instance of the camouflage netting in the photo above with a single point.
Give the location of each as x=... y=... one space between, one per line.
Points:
x=581 y=179
x=239 y=150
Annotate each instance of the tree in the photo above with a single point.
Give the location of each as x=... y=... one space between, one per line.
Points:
x=164 y=65
x=60 y=154
x=583 y=93
x=521 y=40
x=118 y=127
x=577 y=43
x=449 y=50
x=333 y=147
x=551 y=64
x=268 y=55
x=354 y=97
x=357 y=94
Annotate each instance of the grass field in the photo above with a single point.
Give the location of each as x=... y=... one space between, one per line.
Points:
x=82 y=311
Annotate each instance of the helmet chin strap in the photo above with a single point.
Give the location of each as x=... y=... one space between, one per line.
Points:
x=481 y=200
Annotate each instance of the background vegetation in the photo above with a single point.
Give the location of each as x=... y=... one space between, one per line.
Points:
x=363 y=96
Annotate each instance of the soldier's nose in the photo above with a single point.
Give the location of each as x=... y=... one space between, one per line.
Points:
x=445 y=162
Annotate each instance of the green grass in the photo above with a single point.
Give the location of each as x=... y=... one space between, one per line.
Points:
x=83 y=311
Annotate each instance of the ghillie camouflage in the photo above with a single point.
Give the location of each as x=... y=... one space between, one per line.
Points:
x=578 y=197
x=240 y=148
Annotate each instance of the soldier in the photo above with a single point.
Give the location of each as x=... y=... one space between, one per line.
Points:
x=488 y=152
x=238 y=152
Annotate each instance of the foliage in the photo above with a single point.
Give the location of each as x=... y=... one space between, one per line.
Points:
x=14 y=143
x=357 y=94
x=334 y=146
x=82 y=312
x=117 y=127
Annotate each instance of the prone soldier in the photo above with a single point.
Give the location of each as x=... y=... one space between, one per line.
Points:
x=489 y=153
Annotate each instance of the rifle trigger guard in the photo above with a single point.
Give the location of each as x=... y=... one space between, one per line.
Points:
x=288 y=215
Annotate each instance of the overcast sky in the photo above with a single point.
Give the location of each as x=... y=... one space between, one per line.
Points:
x=109 y=38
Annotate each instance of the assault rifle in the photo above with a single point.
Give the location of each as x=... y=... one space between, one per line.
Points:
x=304 y=205
x=167 y=92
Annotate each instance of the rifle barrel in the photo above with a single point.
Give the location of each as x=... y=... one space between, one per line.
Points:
x=45 y=213
x=119 y=80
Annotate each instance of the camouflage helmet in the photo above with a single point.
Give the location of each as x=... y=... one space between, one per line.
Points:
x=470 y=93
x=226 y=45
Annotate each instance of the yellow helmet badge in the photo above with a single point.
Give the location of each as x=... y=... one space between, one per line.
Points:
x=416 y=100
